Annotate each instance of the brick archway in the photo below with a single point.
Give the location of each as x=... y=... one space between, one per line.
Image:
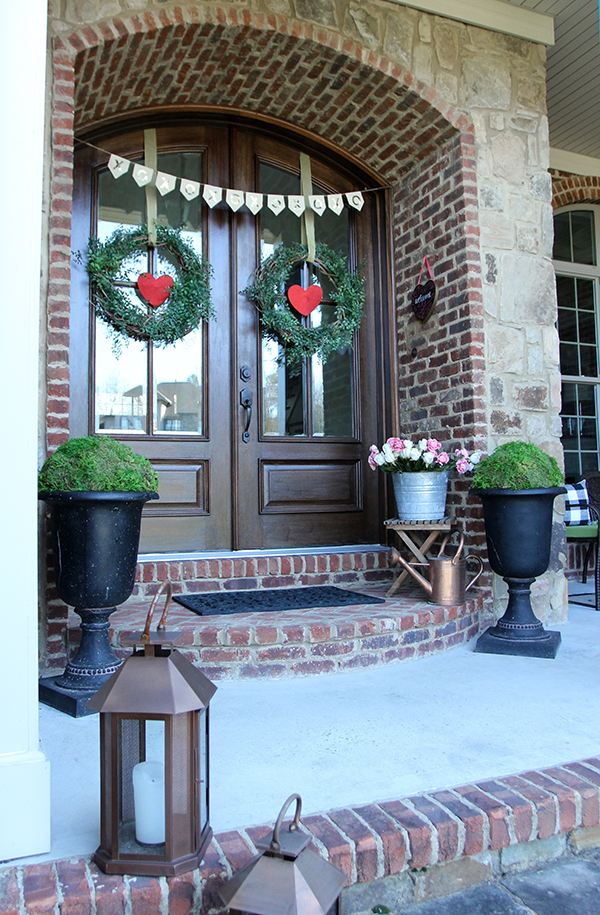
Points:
x=569 y=189
x=340 y=94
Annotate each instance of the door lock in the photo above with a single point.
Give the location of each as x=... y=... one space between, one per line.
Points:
x=246 y=402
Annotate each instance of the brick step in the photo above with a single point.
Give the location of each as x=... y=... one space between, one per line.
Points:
x=396 y=852
x=305 y=642
x=294 y=642
x=235 y=571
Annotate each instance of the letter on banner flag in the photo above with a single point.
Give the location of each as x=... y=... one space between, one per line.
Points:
x=235 y=199
x=212 y=195
x=356 y=200
x=276 y=203
x=336 y=203
x=254 y=202
x=142 y=175
x=165 y=183
x=189 y=189
x=296 y=204
x=317 y=203
x=118 y=166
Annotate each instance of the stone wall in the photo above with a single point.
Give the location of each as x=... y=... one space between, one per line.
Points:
x=451 y=117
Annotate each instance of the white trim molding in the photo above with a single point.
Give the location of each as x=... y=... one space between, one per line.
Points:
x=565 y=161
x=491 y=14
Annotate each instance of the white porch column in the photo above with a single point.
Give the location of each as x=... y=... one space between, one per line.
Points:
x=24 y=769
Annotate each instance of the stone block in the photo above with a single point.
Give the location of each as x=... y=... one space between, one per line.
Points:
x=392 y=892
x=321 y=11
x=444 y=879
x=399 y=40
x=527 y=855
x=446 y=46
x=509 y=158
x=528 y=290
x=361 y=23
x=488 y=84
x=530 y=396
x=583 y=839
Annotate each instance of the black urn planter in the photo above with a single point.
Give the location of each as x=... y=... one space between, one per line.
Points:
x=95 y=539
x=518 y=528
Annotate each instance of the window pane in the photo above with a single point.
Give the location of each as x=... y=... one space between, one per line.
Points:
x=562 y=238
x=565 y=290
x=283 y=402
x=587 y=328
x=567 y=325
x=585 y=294
x=173 y=209
x=588 y=361
x=332 y=385
x=178 y=386
x=569 y=363
x=120 y=385
x=582 y=232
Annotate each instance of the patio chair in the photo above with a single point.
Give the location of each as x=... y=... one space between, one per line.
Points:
x=582 y=520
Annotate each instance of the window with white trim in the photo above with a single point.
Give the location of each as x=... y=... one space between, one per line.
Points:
x=576 y=245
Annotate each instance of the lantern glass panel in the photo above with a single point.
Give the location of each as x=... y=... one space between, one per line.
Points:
x=203 y=793
x=182 y=792
x=142 y=787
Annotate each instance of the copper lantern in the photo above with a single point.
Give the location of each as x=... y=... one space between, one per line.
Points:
x=286 y=878
x=154 y=750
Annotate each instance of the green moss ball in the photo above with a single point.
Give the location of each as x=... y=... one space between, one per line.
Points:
x=517 y=465
x=96 y=464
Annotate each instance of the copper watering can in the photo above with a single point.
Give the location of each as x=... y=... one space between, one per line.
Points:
x=447 y=575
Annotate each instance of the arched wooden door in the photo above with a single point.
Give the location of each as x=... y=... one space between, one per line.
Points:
x=302 y=479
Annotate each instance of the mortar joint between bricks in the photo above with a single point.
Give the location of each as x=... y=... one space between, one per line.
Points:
x=91 y=887
x=352 y=847
x=435 y=845
x=461 y=829
x=378 y=844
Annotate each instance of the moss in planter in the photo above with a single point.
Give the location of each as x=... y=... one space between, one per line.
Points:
x=96 y=464
x=517 y=465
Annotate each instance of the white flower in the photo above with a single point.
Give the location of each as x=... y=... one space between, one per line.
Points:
x=476 y=457
x=408 y=446
x=422 y=446
x=415 y=454
x=379 y=459
x=428 y=458
x=388 y=454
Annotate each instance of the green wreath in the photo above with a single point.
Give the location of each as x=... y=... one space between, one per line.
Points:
x=189 y=300
x=281 y=324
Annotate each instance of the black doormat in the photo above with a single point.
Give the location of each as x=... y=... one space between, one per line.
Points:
x=274 y=599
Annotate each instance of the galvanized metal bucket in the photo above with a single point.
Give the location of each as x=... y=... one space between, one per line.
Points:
x=421 y=496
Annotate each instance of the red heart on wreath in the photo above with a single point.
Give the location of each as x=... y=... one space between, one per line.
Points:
x=155 y=289
x=423 y=299
x=305 y=300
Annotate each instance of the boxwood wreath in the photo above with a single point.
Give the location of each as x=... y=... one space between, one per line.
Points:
x=189 y=299
x=281 y=324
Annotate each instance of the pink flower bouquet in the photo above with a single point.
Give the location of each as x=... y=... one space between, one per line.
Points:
x=401 y=455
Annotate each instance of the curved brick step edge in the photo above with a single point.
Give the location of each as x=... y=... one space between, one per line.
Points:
x=368 y=843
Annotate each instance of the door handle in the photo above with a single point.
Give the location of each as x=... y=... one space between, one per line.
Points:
x=246 y=402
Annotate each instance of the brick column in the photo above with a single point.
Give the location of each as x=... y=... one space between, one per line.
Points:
x=24 y=769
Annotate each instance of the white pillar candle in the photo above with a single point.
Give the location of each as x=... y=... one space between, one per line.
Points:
x=149 y=802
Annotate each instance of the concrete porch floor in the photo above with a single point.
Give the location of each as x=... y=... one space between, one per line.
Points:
x=356 y=737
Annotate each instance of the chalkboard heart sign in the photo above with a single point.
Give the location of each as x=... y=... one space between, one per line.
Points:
x=423 y=299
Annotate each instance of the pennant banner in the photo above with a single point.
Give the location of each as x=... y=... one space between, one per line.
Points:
x=144 y=176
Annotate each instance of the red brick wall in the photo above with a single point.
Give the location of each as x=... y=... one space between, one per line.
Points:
x=568 y=189
x=342 y=94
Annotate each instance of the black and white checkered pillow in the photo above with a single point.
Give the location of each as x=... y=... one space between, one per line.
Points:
x=577 y=509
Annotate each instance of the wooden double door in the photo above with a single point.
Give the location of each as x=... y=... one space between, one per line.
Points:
x=299 y=478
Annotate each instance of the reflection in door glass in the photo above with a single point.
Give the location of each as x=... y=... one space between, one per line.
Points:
x=177 y=386
x=318 y=400
x=120 y=385
x=122 y=398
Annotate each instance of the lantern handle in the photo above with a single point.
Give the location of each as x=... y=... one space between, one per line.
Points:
x=146 y=633
x=293 y=825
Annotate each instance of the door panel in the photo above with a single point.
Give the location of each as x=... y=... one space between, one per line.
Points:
x=296 y=478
